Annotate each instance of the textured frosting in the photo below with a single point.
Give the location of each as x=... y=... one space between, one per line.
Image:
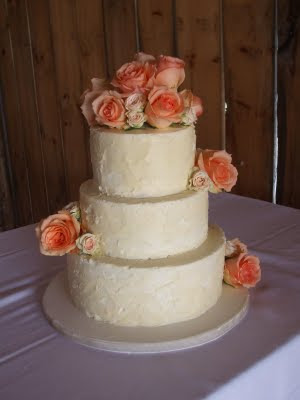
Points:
x=144 y=163
x=145 y=228
x=149 y=292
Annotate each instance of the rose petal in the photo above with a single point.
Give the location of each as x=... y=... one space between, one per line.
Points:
x=143 y=58
x=171 y=77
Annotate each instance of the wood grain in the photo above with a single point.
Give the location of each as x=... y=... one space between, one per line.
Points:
x=47 y=102
x=156 y=27
x=120 y=33
x=91 y=41
x=289 y=103
x=91 y=51
x=7 y=218
x=248 y=44
x=198 y=41
x=27 y=112
x=20 y=193
x=69 y=87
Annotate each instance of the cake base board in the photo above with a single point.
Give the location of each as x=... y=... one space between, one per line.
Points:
x=65 y=317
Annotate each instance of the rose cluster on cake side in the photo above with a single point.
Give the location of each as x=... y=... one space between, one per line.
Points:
x=143 y=90
x=213 y=171
x=63 y=233
x=241 y=269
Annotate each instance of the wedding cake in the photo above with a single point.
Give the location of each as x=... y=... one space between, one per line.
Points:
x=139 y=248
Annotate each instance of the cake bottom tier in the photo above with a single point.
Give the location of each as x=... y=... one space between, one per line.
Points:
x=149 y=292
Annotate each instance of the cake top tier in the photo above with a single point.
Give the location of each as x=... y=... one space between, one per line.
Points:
x=142 y=164
x=143 y=93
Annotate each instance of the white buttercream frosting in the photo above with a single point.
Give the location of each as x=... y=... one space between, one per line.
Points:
x=149 y=292
x=148 y=227
x=144 y=163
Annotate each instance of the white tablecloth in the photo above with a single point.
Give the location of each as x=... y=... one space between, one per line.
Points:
x=259 y=359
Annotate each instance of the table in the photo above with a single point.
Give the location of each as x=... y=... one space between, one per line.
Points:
x=259 y=359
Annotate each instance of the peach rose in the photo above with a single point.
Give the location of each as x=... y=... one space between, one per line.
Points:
x=235 y=247
x=88 y=243
x=170 y=72
x=135 y=102
x=197 y=106
x=188 y=117
x=192 y=102
x=109 y=109
x=165 y=106
x=242 y=270
x=57 y=234
x=137 y=75
x=98 y=87
x=217 y=165
x=200 y=180
x=136 y=119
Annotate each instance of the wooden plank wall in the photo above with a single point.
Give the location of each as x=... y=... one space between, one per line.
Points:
x=50 y=49
x=248 y=48
x=289 y=102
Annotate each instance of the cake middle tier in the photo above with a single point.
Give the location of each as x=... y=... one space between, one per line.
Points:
x=145 y=228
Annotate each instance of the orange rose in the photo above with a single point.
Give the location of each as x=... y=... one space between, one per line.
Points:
x=197 y=106
x=243 y=270
x=98 y=87
x=217 y=165
x=235 y=247
x=170 y=72
x=165 y=106
x=137 y=75
x=58 y=234
x=191 y=101
x=88 y=244
x=109 y=109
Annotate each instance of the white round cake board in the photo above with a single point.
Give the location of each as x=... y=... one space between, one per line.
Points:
x=64 y=316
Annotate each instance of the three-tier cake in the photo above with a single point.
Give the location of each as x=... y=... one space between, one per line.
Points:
x=140 y=250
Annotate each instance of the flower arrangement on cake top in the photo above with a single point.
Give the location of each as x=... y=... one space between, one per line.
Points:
x=144 y=90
